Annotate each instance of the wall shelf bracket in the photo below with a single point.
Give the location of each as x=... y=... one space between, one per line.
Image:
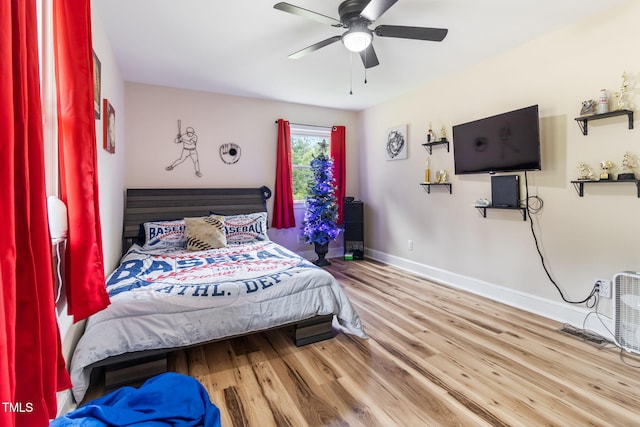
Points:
x=579 y=185
x=429 y=145
x=426 y=186
x=522 y=209
x=583 y=122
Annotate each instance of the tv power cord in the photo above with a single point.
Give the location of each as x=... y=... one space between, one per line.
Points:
x=593 y=295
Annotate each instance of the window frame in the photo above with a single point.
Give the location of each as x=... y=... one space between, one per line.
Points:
x=48 y=95
x=320 y=132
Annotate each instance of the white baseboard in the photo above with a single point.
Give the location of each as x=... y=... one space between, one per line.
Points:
x=555 y=310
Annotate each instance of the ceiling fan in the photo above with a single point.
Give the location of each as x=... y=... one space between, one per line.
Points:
x=356 y=16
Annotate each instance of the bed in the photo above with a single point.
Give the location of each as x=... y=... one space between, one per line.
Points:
x=165 y=297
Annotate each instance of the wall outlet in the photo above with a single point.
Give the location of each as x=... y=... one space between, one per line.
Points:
x=604 y=287
x=410 y=244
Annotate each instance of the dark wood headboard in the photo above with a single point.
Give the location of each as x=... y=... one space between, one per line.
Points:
x=163 y=204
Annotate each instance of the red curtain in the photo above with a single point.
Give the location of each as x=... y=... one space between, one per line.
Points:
x=337 y=153
x=86 y=291
x=283 y=194
x=31 y=367
x=7 y=215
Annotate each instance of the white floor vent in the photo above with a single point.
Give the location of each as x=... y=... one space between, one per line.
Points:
x=626 y=312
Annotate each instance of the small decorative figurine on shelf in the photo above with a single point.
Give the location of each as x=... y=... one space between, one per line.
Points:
x=628 y=165
x=431 y=136
x=427 y=173
x=588 y=108
x=603 y=102
x=584 y=172
x=623 y=93
x=441 y=177
x=606 y=167
x=443 y=134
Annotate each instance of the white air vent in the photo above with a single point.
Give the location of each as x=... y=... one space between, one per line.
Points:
x=626 y=313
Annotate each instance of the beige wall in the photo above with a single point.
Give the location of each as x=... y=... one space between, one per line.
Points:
x=151 y=127
x=581 y=238
x=111 y=167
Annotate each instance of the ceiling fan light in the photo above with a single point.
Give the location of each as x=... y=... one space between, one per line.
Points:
x=357 y=40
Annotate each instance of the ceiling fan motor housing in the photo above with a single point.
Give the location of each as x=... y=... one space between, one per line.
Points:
x=358 y=36
x=350 y=10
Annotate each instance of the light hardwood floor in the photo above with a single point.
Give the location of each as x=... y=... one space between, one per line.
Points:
x=436 y=357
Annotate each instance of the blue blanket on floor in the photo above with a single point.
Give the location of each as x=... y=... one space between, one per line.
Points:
x=168 y=399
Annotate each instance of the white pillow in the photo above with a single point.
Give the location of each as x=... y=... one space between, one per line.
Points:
x=246 y=228
x=164 y=234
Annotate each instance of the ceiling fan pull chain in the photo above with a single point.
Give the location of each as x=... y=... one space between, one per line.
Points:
x=350 y=73
x=365 y=68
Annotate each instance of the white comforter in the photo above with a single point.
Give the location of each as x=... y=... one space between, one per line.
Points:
x=166 y=299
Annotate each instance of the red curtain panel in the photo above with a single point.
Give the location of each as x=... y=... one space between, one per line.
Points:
x=85 y=286
x=337 y=153
x=283 y=192
x=7 y=213
x=31 y=366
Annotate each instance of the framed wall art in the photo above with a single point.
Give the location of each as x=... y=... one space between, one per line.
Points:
x=396 y=143
x=97 y=82
x=109 y=127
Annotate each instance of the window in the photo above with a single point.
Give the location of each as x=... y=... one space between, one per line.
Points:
x=50 y=140
x=48 y=95
x=306 y=142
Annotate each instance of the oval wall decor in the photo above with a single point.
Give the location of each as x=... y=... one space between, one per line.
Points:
x=230 y=153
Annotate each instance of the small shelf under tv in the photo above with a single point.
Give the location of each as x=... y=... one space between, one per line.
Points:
x=579 y=185
x=584 y=120
x=522 y=209
x=429 y=145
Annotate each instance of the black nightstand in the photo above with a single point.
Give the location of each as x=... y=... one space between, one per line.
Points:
x=354 y=230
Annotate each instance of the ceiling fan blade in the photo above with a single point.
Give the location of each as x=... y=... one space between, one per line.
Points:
x=416 y=33
x=314 y=47
x=286 y=7
x=376 y=8
x=369 y=57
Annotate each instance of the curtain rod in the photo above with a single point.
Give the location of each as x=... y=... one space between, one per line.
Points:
x=303 y=124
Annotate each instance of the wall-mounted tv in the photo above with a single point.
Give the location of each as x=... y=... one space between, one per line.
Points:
x=503 y=143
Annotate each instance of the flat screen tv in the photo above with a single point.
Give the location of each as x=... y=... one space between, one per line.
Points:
x=503 y=143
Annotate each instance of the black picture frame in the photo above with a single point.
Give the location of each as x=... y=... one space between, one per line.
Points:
x=97 y=83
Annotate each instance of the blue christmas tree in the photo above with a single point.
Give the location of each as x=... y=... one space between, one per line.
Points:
x=319 y=225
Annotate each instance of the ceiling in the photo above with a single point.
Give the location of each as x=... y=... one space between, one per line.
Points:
x=241 y=47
